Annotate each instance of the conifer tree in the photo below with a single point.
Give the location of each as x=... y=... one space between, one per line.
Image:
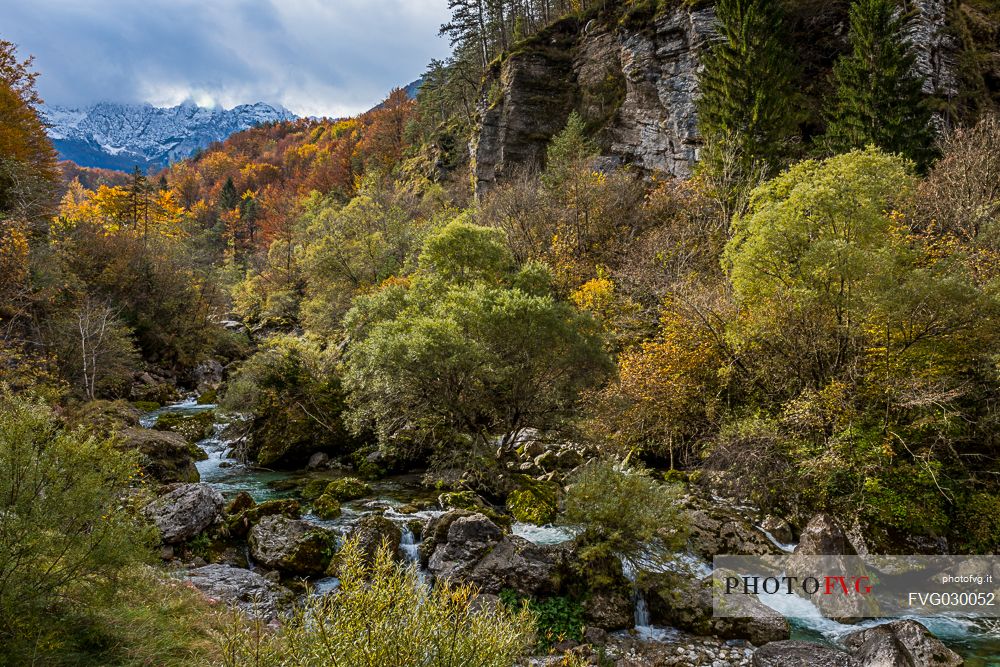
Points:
x=878 y=98
x=229 y=198
x=745 y=111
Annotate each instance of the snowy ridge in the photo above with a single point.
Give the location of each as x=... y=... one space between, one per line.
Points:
x=121 y=136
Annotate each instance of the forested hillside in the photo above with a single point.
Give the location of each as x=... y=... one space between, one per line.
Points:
x=627 y=284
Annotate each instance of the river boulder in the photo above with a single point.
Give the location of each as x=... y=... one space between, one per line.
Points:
x=185 y=511
x=685 y=602
x=778 y=527
x=609 y=610
x=240 y=523
x=794 y=653
x=468 y=539
x=240 y=588
x=291 y=545
x=823 y=536
x=371 y=531
x=208 y=375
x=164 y=456
x=435 y=532
x=904 y=642
x=717 y=529
x=519 y=565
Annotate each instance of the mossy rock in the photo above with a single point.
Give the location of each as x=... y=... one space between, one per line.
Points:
x=326 y=507
x=470 y=501
x=461 y=500
x=534 y=502
x=147 y=406
x=314 y=488
x=103 y=417
x=371 y=531
x=240 y=523
x=313 y=554
x=162 y=393
x=241 y=502
x=164 y=457
x=210 y=397
x=292 y=546
x=194 y=427
x=347 y=488
x=366 y=467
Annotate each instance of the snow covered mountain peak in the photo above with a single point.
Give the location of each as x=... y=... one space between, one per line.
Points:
x=121 y=136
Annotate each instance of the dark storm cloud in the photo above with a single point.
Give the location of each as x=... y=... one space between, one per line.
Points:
x=316 y=57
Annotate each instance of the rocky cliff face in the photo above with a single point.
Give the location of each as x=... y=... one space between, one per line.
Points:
x=634 y=80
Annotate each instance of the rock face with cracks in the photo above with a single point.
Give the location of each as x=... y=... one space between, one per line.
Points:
x=633 y=77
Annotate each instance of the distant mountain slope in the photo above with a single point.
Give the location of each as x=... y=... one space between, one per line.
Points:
x=121 y=136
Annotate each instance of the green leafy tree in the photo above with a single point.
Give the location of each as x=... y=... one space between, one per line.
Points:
x=291 y=389
x=469 y=346
x=67 y=528
x=878 y=98
x=830 y=282
x=747 y=89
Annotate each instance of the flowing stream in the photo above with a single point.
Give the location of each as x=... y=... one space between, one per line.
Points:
x=977 y=642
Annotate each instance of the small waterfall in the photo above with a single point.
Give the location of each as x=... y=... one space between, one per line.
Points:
x=408 y=545
x=638 y=599
x=641 y=610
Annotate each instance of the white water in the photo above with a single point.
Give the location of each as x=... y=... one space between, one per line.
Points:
x=786 y=547
x=641 y=613
x=324 y=586
x=547 y=534
x=408 y=545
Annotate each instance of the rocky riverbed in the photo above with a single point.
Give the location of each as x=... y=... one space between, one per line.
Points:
x=260 y=539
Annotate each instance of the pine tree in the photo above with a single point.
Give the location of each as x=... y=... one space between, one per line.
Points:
x=745 y=112
x=229 y=198
x=138 y=200
x=878 y=98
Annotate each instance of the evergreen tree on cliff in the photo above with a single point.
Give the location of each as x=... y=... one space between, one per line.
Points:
x=747 y=89
x=878 y=98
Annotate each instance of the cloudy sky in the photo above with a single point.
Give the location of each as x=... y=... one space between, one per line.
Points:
x=316 y=57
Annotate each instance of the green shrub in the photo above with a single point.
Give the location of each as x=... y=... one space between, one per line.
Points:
x=977 y=524
x=291 y=389
x=67 y=523
x=383 y=615
x=556 y=618
x=624 y=511
x=446 y=354
x=534 y=503
x=906 y=497
x=147 y=621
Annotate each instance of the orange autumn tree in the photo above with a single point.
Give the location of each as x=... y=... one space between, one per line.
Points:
x=118 y=210
x=28 y=171
x=663 y=397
